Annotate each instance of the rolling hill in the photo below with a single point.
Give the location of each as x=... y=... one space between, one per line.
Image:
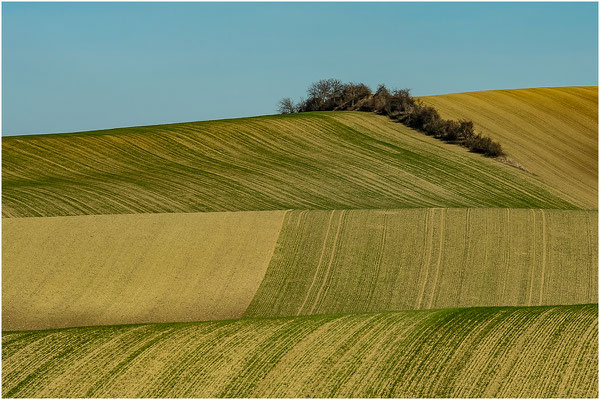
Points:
x=476 y=352
x=553 y=132
x=330 y=262
x=323 y=254
x=116 y=269
x=339 y=160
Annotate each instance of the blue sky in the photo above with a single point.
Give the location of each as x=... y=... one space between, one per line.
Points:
x=82 y=66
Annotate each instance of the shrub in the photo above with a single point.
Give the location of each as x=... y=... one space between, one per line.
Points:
x=452 y=131
x=381 y=100
x=484 y=145
x=401 y=101
x=352 y=93
x=286 y=106
x=326 y=94
x=332 y=94
x=422 y=117
x=466 y=129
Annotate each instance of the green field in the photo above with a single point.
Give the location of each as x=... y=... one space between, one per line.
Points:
x=324 y=254
x=327 y=160
x=477 y=352
x=362 y=261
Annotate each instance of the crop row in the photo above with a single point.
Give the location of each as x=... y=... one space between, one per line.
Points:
x=335 y=160
x=552 y=131
x=478 y=352
x=115 y=269
x=375 y=260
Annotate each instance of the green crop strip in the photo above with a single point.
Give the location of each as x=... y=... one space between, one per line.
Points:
x=315 y=161
x=429 y=353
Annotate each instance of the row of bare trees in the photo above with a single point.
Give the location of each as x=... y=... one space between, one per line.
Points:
x=399 y=105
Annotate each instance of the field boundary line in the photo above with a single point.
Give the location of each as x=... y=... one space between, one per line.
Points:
x=427 y=260
x=530 y=298
x=268 y=258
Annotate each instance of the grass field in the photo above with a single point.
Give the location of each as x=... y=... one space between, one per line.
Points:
x=553 y=132
x=115 y=269
x=339 y=160
x=477 y=352
x=375 y=260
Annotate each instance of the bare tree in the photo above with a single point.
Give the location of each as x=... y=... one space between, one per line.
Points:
x=353 y=92
x=325 y=93
x=286 y=106
x=318 y=93
x=337 y=91
x=300 y=106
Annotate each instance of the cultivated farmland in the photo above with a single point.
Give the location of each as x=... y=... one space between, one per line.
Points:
x=342 y=160
x=477 y=352
x=116 y=269
x=322 y=254
x=553 y=132
x=355 y=261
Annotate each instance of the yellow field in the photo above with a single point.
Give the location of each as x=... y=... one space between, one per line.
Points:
x=328 y=160
x=327 y=262
x=478 y=352
x=553 y=132
x=115 y=269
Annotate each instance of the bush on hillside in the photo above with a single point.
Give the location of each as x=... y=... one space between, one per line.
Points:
x=286 y=106
x=353 y=93
x=332 y=94
x=484 y=145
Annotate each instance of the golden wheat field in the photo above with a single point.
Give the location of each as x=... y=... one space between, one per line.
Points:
x=553 y=132
x=321 y=254
x=115 y=269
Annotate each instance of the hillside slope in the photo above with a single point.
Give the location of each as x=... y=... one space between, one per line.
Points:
x=498 y=352
x=330 y=160
x=553 y=132
x=115 y=269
